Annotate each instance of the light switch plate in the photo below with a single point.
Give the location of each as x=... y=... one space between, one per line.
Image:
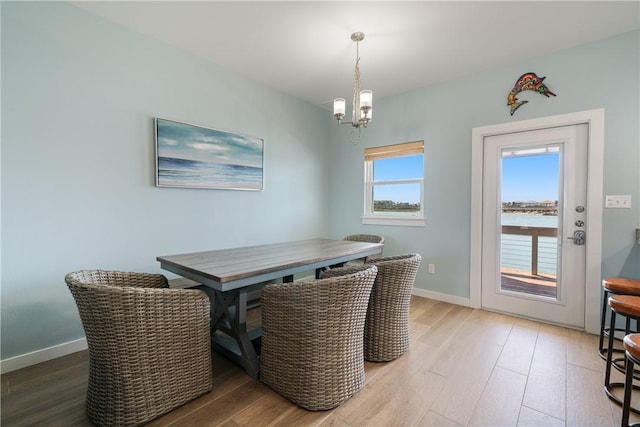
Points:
x=621 y=201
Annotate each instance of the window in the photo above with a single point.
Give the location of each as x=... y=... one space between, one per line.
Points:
x=394 y=184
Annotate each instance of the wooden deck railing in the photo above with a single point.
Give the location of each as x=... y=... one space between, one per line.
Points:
x=535 y=233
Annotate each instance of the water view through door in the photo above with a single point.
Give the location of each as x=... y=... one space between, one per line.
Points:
x=533 y=203
x=529 y=220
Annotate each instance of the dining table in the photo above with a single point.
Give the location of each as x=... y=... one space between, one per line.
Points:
x=228 y=274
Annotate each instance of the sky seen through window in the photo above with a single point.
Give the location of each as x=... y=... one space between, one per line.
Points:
x=524 y=178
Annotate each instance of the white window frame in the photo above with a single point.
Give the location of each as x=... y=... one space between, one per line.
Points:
x=386 y=152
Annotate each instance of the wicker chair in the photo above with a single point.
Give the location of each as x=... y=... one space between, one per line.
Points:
x=367 y=238
x=386 y=332
x=149 y=346
x=312 y=336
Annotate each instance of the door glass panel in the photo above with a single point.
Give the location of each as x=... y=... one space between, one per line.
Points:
x=529 y=220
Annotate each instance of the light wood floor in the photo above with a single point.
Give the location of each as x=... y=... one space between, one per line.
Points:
x=465 y=367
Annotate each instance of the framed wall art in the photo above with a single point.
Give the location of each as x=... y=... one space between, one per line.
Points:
x=192 y=156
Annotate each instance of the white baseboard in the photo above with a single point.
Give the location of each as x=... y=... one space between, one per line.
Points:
x=35 y=357
x=451 y=299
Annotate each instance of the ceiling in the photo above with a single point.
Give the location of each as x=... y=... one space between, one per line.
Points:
x=304 y=47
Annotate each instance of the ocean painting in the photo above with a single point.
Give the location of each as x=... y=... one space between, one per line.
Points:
x=192 y=156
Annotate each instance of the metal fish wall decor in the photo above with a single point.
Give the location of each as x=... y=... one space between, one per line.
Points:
x=527 y=81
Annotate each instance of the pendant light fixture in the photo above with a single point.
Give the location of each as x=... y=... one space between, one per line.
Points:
x=362 y=99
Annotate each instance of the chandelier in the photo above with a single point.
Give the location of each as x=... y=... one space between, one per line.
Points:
x=362 y=99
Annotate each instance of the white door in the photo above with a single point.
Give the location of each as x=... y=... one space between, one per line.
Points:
x=534 y=224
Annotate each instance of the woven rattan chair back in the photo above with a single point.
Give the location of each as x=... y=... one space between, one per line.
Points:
x=312 y=338
x=386 y=332
x=149 y=346
x=366 y=238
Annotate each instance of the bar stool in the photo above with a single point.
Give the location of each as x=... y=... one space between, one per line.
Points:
x=631 y=344
x=615 y=286
x=628 y=306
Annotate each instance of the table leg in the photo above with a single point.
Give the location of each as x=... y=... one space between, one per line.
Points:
x=230 y=317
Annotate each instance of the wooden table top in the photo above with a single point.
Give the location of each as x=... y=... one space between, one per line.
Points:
x=263 y=261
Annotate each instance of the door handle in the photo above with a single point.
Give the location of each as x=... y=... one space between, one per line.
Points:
x=578 y=237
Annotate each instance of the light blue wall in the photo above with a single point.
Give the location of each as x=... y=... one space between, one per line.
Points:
x=599 y=75
x=78 y=100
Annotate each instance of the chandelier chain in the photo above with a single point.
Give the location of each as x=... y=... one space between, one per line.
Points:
x=362 y=99
x=356 y=87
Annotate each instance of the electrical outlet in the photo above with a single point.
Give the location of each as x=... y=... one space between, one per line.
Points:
x=432 y=269
x=622 y=202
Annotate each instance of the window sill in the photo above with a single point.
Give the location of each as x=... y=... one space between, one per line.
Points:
x=402 y=221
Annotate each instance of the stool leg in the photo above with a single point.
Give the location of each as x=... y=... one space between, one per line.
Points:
x=628 y=390
x=607 y=373
x=602 y=322
x=625 y=359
